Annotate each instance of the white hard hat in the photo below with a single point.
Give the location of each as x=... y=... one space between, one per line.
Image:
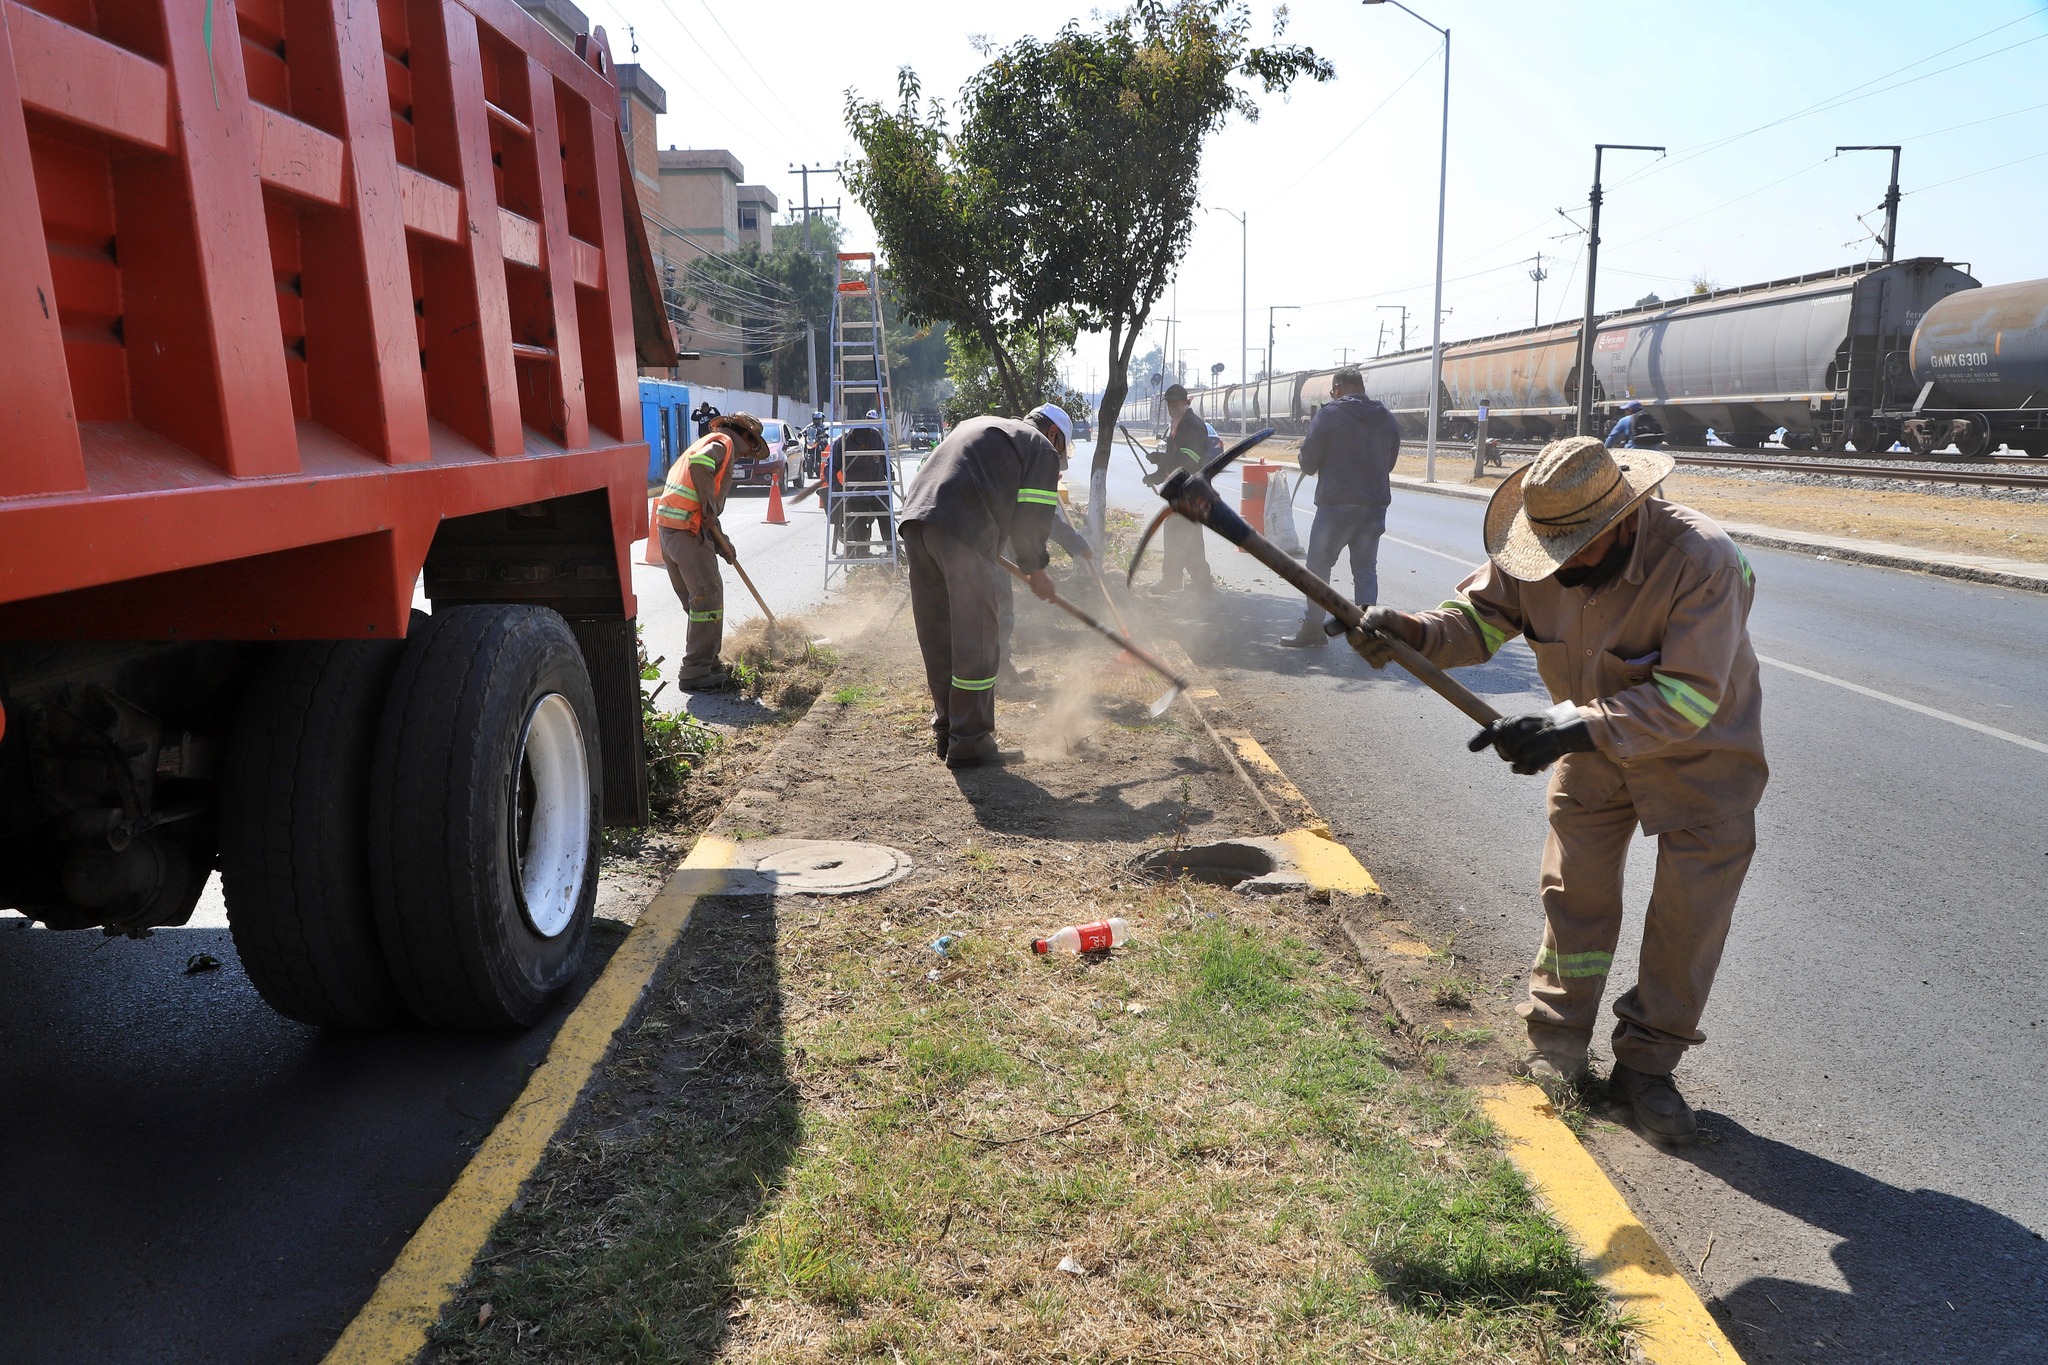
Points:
x=1056 y=415
x=873 y=414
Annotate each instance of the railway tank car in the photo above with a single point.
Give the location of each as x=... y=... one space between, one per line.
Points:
x=1821 y=355
x=1979 y=364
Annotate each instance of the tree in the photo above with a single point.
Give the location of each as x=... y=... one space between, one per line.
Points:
x=952 y=240
x=978 y=385
x=1069 y=187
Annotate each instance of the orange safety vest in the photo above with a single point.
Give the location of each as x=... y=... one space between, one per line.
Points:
x=679 y=509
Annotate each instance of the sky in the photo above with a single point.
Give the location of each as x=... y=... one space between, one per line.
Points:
x=1340 y=180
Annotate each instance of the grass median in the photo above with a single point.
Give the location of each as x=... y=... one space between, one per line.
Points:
x=1198 y=1147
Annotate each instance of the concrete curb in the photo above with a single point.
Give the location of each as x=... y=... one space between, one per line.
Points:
x=1671 y=1324
x=2003 y=573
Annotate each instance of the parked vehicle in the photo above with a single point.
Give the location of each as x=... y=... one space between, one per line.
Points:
x=267 y=393
x=775 y=466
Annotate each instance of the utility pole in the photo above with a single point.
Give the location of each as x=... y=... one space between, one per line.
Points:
x=1276 y=308
x=807 y=172
x=1538 y=274
x=1890 y=240
x=1379 y=347
x=1585 y=425
x=811 y=358
x=1402 y=309
x=1343 y=355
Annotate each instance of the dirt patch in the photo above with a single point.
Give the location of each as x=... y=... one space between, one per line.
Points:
x=880 y=1128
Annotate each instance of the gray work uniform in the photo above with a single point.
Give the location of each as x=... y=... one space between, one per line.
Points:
x=1659 y=663
x=1186 y=557
x=992 y=480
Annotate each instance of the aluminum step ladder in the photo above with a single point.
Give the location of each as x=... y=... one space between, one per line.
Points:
x=860 y=386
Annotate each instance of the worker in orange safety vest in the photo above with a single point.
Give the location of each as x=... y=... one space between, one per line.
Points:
x=692 y=541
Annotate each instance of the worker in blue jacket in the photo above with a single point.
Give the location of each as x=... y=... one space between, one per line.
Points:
x=1637 y=430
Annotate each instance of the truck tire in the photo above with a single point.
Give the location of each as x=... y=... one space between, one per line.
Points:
x=294 y=841
x=484 y=816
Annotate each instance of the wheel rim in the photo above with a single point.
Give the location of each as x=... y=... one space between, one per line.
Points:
x=550 y=832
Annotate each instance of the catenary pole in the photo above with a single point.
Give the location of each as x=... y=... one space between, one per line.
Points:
x=1585 y=424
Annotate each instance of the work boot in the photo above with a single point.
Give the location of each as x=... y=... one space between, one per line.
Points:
x=704 y=678
x=939 y=742
x=981 y=752
x=1560 y=1074
x=1661 y=1112
x=1310 y=636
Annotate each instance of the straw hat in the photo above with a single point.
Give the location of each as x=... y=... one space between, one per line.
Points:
x=1549 y=510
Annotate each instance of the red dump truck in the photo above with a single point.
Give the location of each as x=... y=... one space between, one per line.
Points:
x=307 y=305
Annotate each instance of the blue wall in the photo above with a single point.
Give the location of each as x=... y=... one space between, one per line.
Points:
x=664 y=424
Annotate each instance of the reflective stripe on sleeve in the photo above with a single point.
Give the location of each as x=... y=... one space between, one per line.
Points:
x=1489 y=638
x=1044 y=496
x=1748 y=574
x=1686 y=699
x=1567 y=965
x=974 y=684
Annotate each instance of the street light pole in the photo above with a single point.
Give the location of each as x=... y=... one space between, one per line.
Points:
x=1402 y=309
x=1443 y=182
x=1891 y=198
x=1592 y=273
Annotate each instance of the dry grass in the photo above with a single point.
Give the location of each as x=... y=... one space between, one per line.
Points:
x=894 y=1167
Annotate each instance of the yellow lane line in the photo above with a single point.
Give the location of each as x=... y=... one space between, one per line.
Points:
x=1672 y=1326
x=392 y=1327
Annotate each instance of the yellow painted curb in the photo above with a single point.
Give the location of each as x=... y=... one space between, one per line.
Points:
x=1274 y=783
x=1672 y=1326
x=392 y=1327
x=1328 y=865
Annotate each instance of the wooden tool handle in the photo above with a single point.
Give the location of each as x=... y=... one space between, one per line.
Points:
x=1122 y=641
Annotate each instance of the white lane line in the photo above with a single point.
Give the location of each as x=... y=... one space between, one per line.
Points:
x=2008 y=736
x=1455 y=559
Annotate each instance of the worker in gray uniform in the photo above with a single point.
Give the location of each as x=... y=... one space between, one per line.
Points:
x=1186 y=447
x=994 y=479
x=1056 y=426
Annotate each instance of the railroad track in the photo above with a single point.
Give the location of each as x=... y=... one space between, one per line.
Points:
x=1996 y=472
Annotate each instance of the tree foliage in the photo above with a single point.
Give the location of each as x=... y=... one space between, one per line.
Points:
x=1068 y=188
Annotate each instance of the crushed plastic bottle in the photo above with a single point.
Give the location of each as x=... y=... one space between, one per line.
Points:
x=1085 y=938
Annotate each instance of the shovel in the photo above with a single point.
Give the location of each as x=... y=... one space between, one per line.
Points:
x=1172 y=694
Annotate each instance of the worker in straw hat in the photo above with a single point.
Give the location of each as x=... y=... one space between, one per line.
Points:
x=1637 y=610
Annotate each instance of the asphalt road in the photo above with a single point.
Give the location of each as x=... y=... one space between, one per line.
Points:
x=192 y=1178
x=1873 y=1075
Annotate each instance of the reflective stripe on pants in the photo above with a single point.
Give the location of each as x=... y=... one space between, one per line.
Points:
x=694 y=573
x=953 y=603
x=1692 y=901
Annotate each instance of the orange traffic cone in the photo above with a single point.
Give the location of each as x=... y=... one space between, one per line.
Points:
x=653 y=555
x=775 y=516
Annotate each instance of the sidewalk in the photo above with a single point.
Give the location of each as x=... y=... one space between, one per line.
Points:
x=823 y=1138
x=2009 y=573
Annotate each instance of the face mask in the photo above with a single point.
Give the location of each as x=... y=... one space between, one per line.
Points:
x=1592 y=575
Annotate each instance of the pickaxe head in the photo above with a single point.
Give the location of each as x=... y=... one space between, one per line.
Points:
x=1190 y=494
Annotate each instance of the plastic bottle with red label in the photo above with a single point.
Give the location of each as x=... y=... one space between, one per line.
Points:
x=1085 y=938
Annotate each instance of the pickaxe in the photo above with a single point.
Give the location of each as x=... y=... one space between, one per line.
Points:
x=1190 y=494
x=1158 y=707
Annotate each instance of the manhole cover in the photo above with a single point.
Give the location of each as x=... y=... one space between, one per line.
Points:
x=794 y=867
x=829 y=867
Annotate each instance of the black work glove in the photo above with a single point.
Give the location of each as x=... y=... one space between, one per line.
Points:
x=1368 y=638
x=1529 y=744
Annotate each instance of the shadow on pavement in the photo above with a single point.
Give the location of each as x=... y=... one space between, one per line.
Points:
x=631 y=1250
x=1931 y=1277
x=191 y=1177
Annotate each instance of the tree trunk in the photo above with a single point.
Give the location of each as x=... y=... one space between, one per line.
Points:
x=1106 y=412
